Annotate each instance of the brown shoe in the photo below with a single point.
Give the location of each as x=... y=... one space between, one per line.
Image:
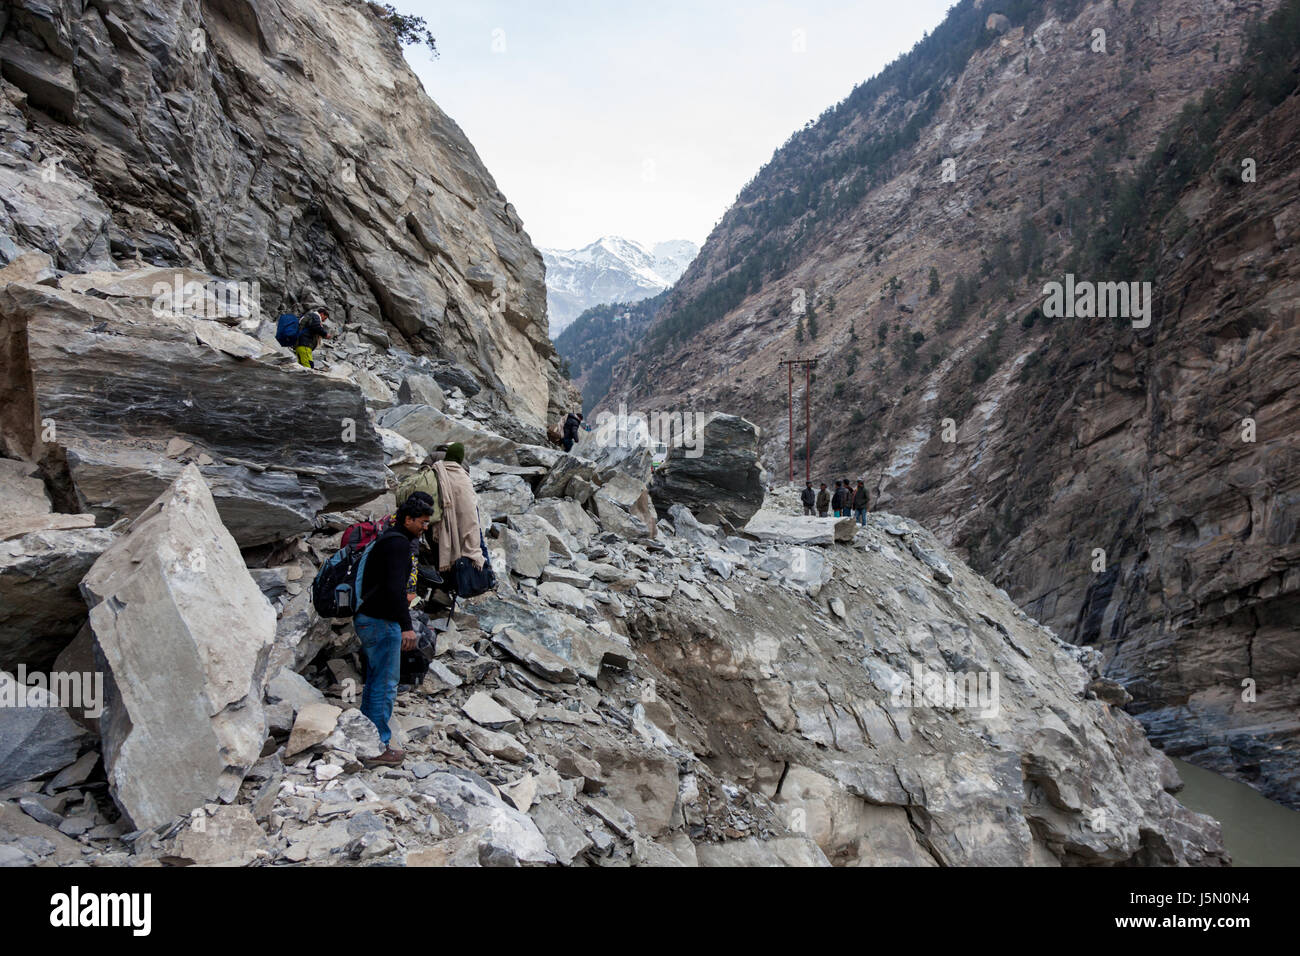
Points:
x=389 y=758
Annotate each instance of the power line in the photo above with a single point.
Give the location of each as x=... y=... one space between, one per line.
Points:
x=808 y=365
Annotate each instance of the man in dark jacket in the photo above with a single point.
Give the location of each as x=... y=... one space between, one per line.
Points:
x=571 y=426
x=837 y=499
x=823 y=501
x=860 y=502
x=383 y=622
x=809 y=498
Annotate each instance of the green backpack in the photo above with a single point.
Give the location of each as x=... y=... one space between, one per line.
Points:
x=426 y=480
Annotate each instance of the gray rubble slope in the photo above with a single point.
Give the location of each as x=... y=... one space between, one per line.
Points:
x=810 y=702
x=686 y=698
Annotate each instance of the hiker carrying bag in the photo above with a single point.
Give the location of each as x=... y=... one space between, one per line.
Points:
x=426 y=480
x=335 y=591
x=286 y=330
x=470 y=581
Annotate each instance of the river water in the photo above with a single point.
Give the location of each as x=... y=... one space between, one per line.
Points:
x=1257 y=831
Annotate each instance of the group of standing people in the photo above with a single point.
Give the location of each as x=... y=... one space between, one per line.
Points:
x=845 y=501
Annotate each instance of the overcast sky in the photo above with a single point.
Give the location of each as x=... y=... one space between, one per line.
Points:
x=645 y=119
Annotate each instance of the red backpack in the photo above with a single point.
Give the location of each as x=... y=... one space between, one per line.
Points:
x=358 y=536
x=361 y=534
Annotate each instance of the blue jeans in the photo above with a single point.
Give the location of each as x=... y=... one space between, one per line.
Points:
x=861 y=515
x=382 y=641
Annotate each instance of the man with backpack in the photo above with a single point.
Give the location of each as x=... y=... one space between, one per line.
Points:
x=383 y=622
x=423 y=549
x=809 y=498
x=571 y=426
x=859 y=502
x=311 y=329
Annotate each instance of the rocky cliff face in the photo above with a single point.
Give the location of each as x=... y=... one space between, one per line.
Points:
x=1134 y=488
x=281 y=143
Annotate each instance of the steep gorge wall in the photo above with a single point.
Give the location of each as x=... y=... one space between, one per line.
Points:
x=283 y=142
x=1067 y=436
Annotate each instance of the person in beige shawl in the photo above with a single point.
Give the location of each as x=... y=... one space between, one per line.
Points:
x=458 y=532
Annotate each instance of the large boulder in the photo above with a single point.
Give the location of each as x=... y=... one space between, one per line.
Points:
x=117 y=393
x=527 y=524
x=631 y=496
x=426 y=426
x=613 y=517
x=505 y=835
x=417 y=389
x=800 y=568
x=25 y=505
x=563 y=635
x=562 y=472
x=688 y=528
x=504 y=495
x=567 y=516
x=526 y=554
x=628 y=458
x=257 y=507
x=723 y=480
x=800 y=529
x=40 y=607
x=183 y=635
x=22 y=491
x=36 y=734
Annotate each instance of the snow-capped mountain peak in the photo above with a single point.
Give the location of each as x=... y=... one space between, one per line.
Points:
x=611 y=269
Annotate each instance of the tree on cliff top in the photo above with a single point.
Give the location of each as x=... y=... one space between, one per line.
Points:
x=407 y=28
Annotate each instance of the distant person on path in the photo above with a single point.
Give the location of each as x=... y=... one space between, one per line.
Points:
x=311 y=329
x=571 y=426
x=823 y=501
x=385 y=626
x=860 y=502
x=809 y=498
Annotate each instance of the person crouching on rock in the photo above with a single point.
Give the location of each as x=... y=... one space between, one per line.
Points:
x=384 y=625
x=311 y=329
